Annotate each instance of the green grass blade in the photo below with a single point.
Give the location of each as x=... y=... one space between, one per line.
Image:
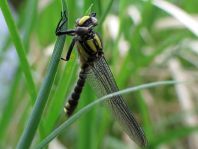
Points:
x=57 y=103
x=30 y=130
x=179 y=14
x=76 y=116
x=104 y=15
x=106 y=12
x=85 y=126
x=30 y=13
x=9 y=107
x=89 y=10
x=19 y=48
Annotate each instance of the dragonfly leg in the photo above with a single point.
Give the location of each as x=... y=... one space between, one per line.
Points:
x=70 y=50
x=71 y=32
x=61 y=23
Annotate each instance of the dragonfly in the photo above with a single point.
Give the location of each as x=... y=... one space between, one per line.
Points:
x=95 y=69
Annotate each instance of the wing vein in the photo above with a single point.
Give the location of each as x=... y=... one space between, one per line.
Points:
x=101 y=79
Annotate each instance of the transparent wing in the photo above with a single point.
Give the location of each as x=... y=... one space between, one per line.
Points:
x=102 y=81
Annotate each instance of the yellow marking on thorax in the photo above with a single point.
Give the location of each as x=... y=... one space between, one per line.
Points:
x=82 y=53
x=98 y=41
x=83 y=19
x=91 y=45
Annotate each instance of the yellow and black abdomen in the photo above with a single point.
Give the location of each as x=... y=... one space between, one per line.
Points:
x=74 y=98
x=89 y=49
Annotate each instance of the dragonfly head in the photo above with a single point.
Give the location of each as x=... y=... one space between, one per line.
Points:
x=87 y=21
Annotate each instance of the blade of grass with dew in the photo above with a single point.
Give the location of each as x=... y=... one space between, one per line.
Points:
x=84 y=110
x=19 y=48
x=31 y=127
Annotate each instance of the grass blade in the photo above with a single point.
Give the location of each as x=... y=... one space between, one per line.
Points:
x=76 y=116
x=30 y=130
x=19 y=48
x=57 y=103
x=179 y=14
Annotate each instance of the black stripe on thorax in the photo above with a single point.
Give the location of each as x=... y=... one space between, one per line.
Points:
x=86 y=47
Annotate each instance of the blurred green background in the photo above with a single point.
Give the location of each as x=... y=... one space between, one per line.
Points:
x=144 y=41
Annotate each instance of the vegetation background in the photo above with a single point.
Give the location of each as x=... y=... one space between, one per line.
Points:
x=144 y=41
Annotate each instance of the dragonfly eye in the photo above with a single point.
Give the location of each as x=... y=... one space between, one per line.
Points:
x=87 y=21
x=84 y=21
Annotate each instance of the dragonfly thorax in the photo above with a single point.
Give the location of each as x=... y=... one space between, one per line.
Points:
x=89 y=48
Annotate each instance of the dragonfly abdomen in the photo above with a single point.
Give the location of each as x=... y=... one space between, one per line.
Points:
x=74 y=98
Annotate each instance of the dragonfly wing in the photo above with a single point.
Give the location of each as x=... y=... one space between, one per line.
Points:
x=102 y=81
